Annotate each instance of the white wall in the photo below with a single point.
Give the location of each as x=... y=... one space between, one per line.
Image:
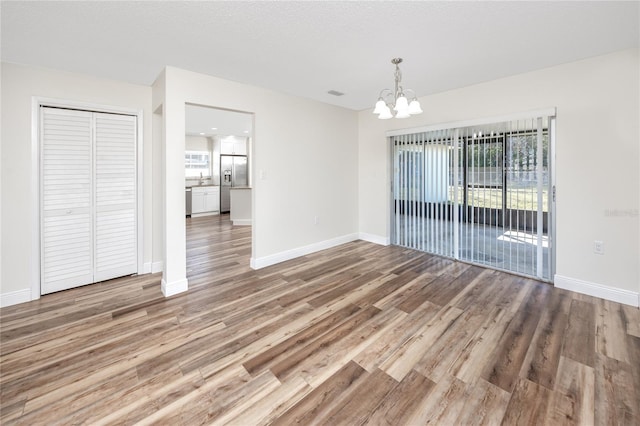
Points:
x=2 y=300
x=19 y=85
x=306 y=151
x=197 y=143
x=597 y=159
x=158 y=95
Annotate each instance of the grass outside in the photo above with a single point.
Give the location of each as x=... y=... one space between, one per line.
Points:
x=517 y=198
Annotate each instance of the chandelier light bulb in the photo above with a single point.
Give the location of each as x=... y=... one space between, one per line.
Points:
x=401 y=104
x=385 y=114
x=414 y=107
x=380 y=105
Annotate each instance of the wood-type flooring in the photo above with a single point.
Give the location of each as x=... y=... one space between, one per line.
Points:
x=357 y=334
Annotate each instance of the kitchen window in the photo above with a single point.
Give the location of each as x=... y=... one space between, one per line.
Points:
x=197 y=164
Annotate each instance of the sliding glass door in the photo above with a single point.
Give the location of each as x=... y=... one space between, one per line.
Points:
x=481 y=194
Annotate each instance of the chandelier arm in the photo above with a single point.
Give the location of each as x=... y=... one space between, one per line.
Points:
x=412 y=91
x=380 y=96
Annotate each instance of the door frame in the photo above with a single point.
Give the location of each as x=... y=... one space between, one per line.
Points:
x=36 y=103
x=549 y=112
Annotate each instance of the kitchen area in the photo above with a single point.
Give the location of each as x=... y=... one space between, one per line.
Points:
x=217 y=159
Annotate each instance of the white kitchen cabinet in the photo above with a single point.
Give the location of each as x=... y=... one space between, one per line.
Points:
x=233 y=147
x=240 y=211
x=197 y=201
x=212 y=200
x=205 y=200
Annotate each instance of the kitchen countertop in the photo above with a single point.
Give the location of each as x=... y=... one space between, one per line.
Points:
x=240 y=187
x=200 y=186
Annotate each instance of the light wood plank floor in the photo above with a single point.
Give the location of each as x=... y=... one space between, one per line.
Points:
x=358 y=334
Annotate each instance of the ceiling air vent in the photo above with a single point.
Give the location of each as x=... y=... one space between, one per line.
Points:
x=335 y=93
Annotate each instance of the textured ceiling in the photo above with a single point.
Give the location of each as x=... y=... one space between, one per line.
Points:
x=309 y=48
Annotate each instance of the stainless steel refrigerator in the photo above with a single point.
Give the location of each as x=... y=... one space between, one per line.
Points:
x=233 y=173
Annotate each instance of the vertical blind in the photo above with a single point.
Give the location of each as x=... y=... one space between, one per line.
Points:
x=481 y=194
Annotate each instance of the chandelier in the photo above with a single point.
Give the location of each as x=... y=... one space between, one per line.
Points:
x=396 y=100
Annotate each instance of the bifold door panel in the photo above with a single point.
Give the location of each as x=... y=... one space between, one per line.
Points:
x=115 y=196
x=88 y=197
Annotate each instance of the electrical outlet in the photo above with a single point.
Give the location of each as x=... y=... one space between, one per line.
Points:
x=316 y=220
x=598 y=247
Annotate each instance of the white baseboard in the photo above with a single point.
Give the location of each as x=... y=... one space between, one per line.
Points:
x=262 y=262
x=598 y=290
x=15 y=297
x=205 y=214
x=241 y=222
x=372 y=238
x=175 y=287
x=153 y=267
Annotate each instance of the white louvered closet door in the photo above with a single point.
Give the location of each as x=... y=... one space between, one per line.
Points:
x=88 y=192
x=67 y=199
x=115 y=196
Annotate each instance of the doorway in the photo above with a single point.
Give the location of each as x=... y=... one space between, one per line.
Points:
x=481 y=194
x=213 y=136
x=218 y=177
